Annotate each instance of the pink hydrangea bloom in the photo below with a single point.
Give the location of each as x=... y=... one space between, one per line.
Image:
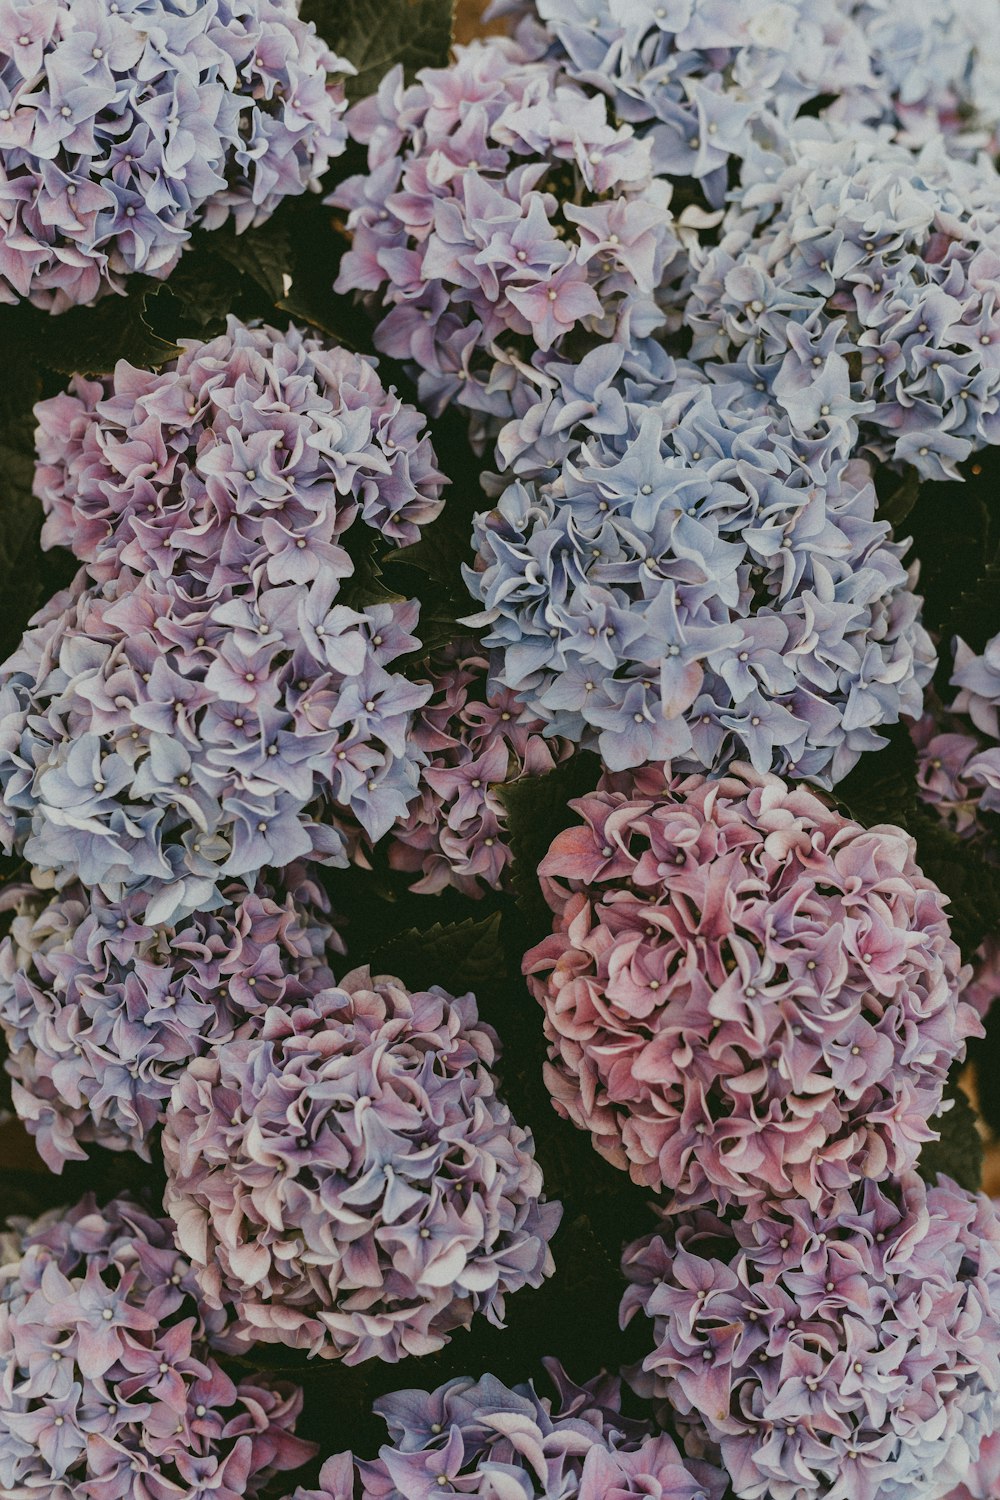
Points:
x=348 y=1181
x=746 y=994
x=982 y=1482
x=478 y=738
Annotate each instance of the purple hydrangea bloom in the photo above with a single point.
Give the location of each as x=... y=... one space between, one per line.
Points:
x=694 y=581
x=978 y=681
x=746 y=995
x=347 y=1179
x=124 y=123
x=478 y=739
x=207 y=706
x=103 y=1012
x=108 y=1387
x=852 y=1354
x=501 y=212
x=860 y=281
x=480 y=1437
x=981 y=1483
x=704 y=83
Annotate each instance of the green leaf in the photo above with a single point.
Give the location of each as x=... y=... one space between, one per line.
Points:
x=375 y=35
x=91 y=340
x=264 y=254
x=975 y=614
x=959 y=1152
x=459 y=956
x=901 y=499
x=537 y=809
x=365 y=585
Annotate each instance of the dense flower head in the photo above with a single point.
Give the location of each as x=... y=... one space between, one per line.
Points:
x=108 y=1387
x=850 y=1354
x=858 y=280
x=481 y=1437
x=347 y=1179
x=124 y=123
x=478 y=738
x=501 y=212
x=102 y=1012
x=983 y=1480
x=242 y=464
x=197 y=710
x=695 y=581
x=746 y=994
x=703 y=83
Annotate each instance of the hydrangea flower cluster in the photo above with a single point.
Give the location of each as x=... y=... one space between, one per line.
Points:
x=746 y=995
x=204 y=708
x=983 y=1480
x=857 y=281
x=849 y=1354
x=480 y=1437
x=347 y=1179
x=124 y=123
x=501 y=214
x=109 y=1389
x=704 y=83
x=697 y=582
x=477 y=739
x=102 y=1012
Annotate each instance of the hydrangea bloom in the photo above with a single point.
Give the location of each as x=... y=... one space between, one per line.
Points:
x=103 y=1012
x=108 y=1388
x=477 y=738
x=348 y=1178
x=858 y=280
x=501 y=212
x=746 y=995
x=480 y=1437
x=124 y=123
x=696 y=582
x=978 y=681
x=849 y=1354
x=705 y=82
x=194 y=719
x=981 y=1483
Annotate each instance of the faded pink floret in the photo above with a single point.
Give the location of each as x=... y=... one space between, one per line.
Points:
x=348 y=1182
x=746 y=994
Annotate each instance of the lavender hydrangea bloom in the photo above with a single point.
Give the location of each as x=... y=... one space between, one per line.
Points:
x=477 y=739
x=207 y=706
x=859 y=281
x=348 y=1180
x=978 y=681
x=246 y=459
x=108 y=1387
x=694 y=581
x=703 y=84
x=124 y=123
x=501 y=212
x=746 y=995
x=852 y=1354
x=981 y=1483
x=102 y=1012
x=484 y=1438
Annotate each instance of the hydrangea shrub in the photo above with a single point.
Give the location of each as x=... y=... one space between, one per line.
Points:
x=851 y=1353
x=696 y=581
x=481 y=1437
x=109 y=1384
x=126 y=123
x=102 y=1012
x=348 y=1181
x=206 y=707
x=747 y=996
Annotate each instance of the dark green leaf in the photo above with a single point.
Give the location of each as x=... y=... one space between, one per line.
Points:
x=897 y=504
x=459 y=956
x=959 y=1152
x=365 y=585
x=264 y=254
x=375 y=35
x=91 y=340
